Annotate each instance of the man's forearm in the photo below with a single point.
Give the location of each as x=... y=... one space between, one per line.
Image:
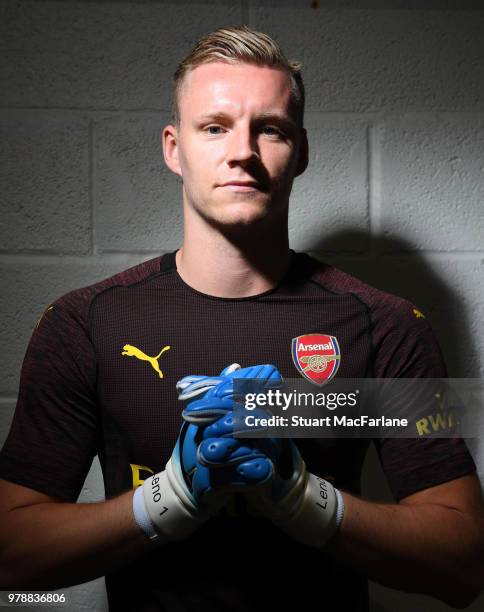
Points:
x=53 y=545
x=425 y=548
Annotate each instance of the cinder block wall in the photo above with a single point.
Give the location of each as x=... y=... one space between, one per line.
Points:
x=394 y=192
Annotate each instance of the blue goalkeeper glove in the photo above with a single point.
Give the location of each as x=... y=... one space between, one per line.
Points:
x=230 y=464
x=174 y=503
x=306 y=507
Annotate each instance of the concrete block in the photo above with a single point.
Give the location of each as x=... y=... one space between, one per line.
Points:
x=99 y=54
x=31 y=288
x=93 y=489
x=332 y=194
x=87 y=597
x=432 y=187
x=362 y=60
x=44 y=176
x=138 y=199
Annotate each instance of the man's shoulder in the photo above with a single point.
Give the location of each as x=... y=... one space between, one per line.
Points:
x=339 y=282
x=77 y=303
x=380 y=304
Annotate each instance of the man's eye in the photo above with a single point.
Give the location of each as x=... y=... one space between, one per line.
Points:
x=213 y=130
x=270 y=130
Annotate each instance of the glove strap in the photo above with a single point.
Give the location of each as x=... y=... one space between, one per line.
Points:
x=143 y=520
x=340 y=507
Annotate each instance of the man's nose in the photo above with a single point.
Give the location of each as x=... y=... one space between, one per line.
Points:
x=243 y=146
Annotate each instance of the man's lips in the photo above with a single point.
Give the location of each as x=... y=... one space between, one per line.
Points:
x=241 y=185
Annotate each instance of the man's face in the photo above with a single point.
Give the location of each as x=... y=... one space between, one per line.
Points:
x=237 y=147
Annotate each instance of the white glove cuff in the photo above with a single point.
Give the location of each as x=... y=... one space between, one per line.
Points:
x=318 y=514
x=173 y=516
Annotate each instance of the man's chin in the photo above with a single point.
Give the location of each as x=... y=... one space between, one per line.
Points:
x=243 y=219
x=241 y=213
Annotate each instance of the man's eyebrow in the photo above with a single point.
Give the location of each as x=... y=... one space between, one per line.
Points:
x=274 y=116
x=212 y=117
x=280 y=118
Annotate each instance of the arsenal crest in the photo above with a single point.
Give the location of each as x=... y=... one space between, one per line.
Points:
x=316 y=357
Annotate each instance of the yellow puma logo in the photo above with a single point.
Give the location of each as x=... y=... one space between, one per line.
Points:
x=418 y=314
x=132 y=351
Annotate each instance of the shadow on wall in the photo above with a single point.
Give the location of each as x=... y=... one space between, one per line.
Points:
x=393 y=266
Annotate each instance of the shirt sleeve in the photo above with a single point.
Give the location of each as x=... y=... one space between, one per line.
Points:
x=53 y=436
x=406 y=347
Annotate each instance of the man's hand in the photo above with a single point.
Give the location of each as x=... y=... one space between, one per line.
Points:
x=232 y=464
x=306 y=507
x=172 y=504
x=271 y=472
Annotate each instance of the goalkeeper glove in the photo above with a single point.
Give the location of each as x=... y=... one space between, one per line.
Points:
x=303 y=505
x=174 y=503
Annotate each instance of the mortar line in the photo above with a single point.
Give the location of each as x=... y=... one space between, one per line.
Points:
x=100 y=257
x=374 y=177
x=8 y=399
x=91 y=188
x=114 y=257
x=316 y=111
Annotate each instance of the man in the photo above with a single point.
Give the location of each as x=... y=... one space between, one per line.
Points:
x=101 y=374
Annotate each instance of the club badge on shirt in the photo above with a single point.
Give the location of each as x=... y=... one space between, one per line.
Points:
x=316 y=357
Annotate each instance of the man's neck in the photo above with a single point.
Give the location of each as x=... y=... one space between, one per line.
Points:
x=219 y=267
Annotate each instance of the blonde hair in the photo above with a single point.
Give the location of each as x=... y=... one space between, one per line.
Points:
x=239 y=44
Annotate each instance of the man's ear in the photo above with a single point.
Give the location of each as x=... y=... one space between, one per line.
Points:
x=303 y=157
x=169 y=141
